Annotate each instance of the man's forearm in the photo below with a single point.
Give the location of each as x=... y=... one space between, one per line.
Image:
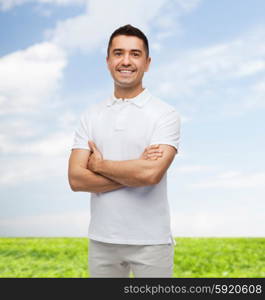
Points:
x=86 y=180
x=133 y=173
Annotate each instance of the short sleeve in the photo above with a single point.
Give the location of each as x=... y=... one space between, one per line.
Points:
x=82 y=133
x=167 y=130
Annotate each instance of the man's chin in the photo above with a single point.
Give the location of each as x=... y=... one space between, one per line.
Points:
x=125 y=84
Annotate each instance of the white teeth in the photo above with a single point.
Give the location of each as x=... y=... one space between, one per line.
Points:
x=126 y=71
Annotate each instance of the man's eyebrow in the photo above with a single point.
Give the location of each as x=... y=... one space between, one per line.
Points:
x=136 y=50
x=117 y=49
x=133 y=50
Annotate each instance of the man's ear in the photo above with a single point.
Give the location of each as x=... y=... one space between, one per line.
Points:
x=107 y=61
x=148 y=64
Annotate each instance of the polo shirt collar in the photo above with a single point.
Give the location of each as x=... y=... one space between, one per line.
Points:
x=139 y=100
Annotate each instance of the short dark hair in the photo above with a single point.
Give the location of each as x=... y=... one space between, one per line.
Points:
x=130 y=31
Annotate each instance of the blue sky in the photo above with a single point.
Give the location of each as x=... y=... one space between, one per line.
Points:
x=208 y=61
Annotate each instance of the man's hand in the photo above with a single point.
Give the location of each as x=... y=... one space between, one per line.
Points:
x=152 y=153
x=95 y=157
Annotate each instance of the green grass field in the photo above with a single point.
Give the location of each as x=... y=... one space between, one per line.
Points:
x=194 y=257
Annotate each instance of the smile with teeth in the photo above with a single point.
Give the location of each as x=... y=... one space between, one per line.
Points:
x=126 y=71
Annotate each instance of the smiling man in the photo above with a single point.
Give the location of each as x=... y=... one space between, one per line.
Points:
x=123 y=147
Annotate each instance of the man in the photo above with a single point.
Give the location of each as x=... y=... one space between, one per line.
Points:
x=114 y=158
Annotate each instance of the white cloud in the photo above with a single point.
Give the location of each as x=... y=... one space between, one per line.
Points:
x=17 y=128
x=34 y=168
x=39 y=151
x=180 y=168
x=192 y=168
x=92 y=29
x=68 y=120
x=233 y=180
x=208 y=73
x=167 y=21
x=88 y=31
x=187 y=5
x=36 y=159
x=55 y=144
x=254 y=98
x=230 y=223
x=250 y=68
x=67 y=224
x=9 y=4
x=259 y=86
x=29 y=77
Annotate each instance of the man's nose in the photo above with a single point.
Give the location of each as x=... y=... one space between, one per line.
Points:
x=126 y=59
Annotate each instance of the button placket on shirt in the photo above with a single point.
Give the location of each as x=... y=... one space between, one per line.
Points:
x=121 y=116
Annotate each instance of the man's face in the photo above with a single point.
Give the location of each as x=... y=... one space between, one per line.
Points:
x=127 y=60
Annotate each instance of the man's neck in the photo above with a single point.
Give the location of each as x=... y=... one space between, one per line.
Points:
x=127 y=93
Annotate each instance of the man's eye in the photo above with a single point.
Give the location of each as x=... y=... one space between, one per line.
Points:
x=117 y=53
x=135 y=54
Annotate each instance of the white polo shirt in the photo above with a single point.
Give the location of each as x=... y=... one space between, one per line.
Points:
x=122 y=129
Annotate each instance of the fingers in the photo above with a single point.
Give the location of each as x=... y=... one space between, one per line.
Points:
x=92 y=146
x=154 y=155
x=154 y=146
x=154 y=151
x=152 y=158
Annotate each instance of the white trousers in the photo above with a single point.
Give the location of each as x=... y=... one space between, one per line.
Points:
x=107 y=260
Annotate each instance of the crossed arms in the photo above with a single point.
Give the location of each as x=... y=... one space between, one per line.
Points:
x=89 y=172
